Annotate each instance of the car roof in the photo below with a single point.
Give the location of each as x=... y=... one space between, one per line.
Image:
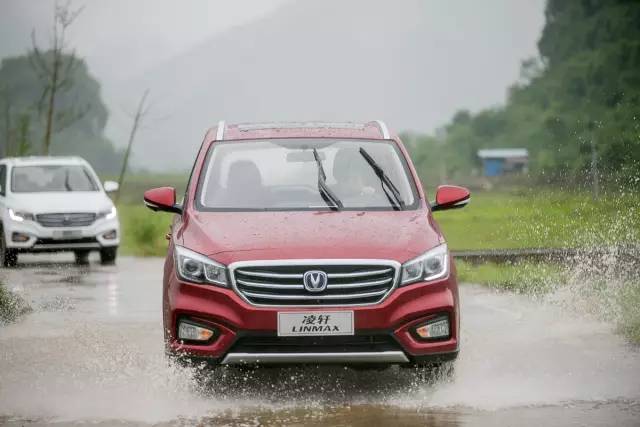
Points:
x=369 y=130
x=44 y=160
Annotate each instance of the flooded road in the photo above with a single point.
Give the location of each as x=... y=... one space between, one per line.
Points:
x=92 y=352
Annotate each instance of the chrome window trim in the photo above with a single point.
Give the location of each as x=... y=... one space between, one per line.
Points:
x=220 y=131
x=383 y=129
x=315 y=262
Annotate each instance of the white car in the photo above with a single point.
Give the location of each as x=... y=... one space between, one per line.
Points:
x=52 y=204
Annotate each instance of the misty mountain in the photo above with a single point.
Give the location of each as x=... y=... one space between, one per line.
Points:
x=411 y=63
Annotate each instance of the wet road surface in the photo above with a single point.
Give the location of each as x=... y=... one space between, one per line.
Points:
x=92 y=352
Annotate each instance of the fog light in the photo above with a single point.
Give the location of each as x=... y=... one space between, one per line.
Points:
x=191 y=332
x=437 y=328
x=110 y=235
x=20 y=237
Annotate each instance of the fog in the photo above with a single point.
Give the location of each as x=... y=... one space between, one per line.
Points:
x=412 y=63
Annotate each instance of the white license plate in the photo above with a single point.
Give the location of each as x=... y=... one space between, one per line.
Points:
x=314 y=323
x=67 y=234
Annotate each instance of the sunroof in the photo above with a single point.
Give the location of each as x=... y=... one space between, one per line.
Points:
x=300 y=125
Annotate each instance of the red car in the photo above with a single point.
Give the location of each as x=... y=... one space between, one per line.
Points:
x=308 y=243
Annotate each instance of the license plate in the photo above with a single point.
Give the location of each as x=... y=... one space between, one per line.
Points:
x=315 y=323
x=67 y=234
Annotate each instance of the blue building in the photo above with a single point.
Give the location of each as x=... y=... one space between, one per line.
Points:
x=502 y=161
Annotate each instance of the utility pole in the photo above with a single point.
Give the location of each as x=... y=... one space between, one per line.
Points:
x=140 y=113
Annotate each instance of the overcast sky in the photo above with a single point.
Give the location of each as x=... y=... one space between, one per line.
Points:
x=211 y=59
x=139 y=33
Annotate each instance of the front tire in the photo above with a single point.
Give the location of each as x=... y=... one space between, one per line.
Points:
x=108 y=255
x=8 y=257
x=82 y=257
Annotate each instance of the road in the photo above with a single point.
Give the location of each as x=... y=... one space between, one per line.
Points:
x=92 y=352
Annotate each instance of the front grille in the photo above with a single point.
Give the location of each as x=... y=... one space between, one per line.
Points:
x=328 y=344
x=66 y=219
x=348 y=284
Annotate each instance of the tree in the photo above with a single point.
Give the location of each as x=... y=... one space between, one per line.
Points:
x=142 y=111
x=20 y=94
x=56 y=69
x=576 y=107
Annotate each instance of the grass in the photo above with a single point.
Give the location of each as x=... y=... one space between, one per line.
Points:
x=541 y=219
x=143 y=231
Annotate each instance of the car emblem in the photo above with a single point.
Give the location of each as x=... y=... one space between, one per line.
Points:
x=315 y=281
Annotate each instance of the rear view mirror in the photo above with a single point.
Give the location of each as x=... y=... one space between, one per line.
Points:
x=450 y=197
x=162 y=199
x=111 y=186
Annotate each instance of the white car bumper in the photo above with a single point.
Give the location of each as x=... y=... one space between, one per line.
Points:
x=92 y=237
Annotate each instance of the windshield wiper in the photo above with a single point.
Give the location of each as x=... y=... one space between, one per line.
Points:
x=398 y=203
x=327 y=195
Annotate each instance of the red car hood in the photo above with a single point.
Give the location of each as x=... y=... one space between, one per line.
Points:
x=240 y=236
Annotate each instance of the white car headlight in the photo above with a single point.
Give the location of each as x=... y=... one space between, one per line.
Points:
x=432 y=265
x=20 y=216
x=108 y=214
x=194 y=267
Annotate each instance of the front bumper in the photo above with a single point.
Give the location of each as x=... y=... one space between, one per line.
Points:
x=45 y=239
x=235 y=321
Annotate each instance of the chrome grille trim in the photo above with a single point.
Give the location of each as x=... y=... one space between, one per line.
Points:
x=358 y=274
x=316 y=297
x=268 y=285
x=253 y=286
x=360 y=284
x=74 y=219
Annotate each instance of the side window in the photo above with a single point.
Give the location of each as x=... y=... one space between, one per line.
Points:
x=3 y=180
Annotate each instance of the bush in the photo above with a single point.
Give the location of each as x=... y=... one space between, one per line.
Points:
x=12 y=306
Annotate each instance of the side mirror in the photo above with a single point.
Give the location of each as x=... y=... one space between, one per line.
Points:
x=111 y=186
x=450 y=197
x=162 y=199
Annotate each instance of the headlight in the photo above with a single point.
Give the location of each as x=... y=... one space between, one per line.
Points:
x=20 y=216
x=194 y=267
x=110 y=214
x=432 y=265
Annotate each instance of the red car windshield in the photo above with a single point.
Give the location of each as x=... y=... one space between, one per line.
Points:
x=283 y=174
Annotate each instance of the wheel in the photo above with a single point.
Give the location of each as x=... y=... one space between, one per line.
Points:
x=82 y=257
x=108 y=255
x=8 y=257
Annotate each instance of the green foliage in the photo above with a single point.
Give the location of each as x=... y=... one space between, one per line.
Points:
x=80 y=113
x=143 y=231
x=585 y=86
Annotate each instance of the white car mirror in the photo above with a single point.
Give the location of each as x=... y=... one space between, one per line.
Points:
x=111 y=186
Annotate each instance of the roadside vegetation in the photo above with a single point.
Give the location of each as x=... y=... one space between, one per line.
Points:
x=542 y=218
x=11 y=306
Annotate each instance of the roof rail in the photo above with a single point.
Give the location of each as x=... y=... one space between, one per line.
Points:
x=220 y=131
x=384 y=129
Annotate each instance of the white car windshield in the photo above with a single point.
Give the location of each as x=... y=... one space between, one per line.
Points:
x=51 y=178
x=305 y=174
